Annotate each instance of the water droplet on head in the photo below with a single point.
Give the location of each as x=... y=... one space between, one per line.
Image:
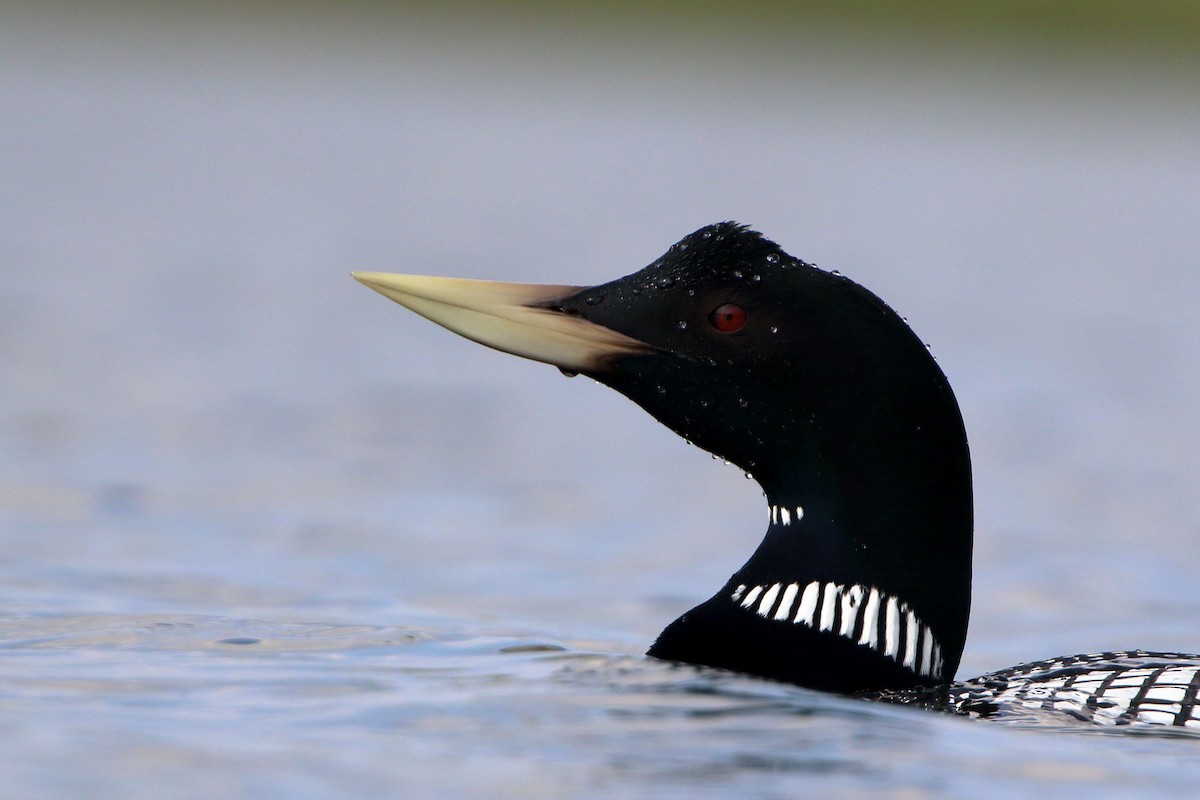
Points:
x=704 y=404
x=661 y=389
x=835 y=273
x=665 y=282
x=691 y=292
x=682 y=324
x=594 y=299
x=570 y=373
x=737 y=273
x=773 y=258
x=743 y=403
x=636 y=290
x=706 y=234
x=773 y=329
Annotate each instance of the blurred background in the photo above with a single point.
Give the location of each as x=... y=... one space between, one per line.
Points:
x=202 y=414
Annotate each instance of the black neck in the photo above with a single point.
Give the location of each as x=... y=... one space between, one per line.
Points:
x=870 y=532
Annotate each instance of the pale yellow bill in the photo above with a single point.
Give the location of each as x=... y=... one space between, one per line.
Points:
x=511 y=317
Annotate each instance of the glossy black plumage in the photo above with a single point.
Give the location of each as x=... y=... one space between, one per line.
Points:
x=822 y=393
x=829 y=400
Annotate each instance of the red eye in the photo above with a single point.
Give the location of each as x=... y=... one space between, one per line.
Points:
x=728 y=318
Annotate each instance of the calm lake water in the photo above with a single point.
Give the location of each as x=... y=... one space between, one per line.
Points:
x=263 y=534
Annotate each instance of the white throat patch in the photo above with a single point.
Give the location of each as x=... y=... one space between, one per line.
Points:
x=859 y=613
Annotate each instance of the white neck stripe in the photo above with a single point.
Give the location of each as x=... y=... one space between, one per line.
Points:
x=854 y=612
x=785 y=515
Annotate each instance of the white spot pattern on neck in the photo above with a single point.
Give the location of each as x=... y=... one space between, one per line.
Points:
x=785 y=515
x=855 y=612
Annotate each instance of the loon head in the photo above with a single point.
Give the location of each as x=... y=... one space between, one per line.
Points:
x=816 y=388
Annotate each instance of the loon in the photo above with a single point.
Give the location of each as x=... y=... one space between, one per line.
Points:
x=820 y=391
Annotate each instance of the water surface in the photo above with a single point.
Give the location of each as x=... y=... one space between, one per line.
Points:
x=263 y=534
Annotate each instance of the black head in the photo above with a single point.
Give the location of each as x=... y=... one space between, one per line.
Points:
x=756 y=353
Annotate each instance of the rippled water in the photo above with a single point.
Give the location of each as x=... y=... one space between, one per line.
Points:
x=203 y=705
x=263 y=535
